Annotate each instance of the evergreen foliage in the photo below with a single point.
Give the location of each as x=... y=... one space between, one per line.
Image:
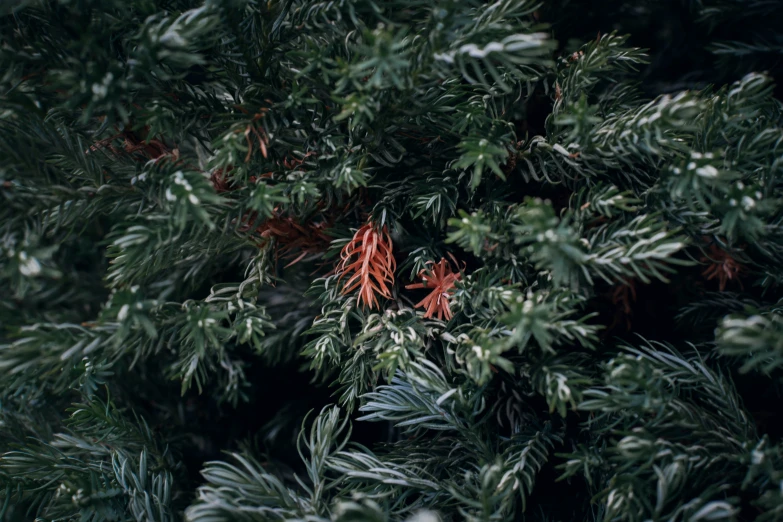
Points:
x=411 y=260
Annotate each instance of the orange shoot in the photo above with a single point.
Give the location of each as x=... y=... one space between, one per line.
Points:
x=441 y=279
x=369 y=261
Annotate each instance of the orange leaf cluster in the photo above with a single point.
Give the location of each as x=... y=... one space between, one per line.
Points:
x=369 y=261
x=441 y=279
x=722 y=266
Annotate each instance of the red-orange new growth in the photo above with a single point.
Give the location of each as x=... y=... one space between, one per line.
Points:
x=368 y=257
x=441 y=279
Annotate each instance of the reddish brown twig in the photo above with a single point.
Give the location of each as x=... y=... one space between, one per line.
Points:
x=722 y=267
x=260 y=136
x=293 y=240
x=220 y=181
x=152 y=149
x=295 y=163
x=623 y=296
x=511 y=162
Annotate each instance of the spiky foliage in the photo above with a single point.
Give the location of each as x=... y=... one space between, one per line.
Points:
x=220 y=216
x=368 y=262
x=440 y=280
